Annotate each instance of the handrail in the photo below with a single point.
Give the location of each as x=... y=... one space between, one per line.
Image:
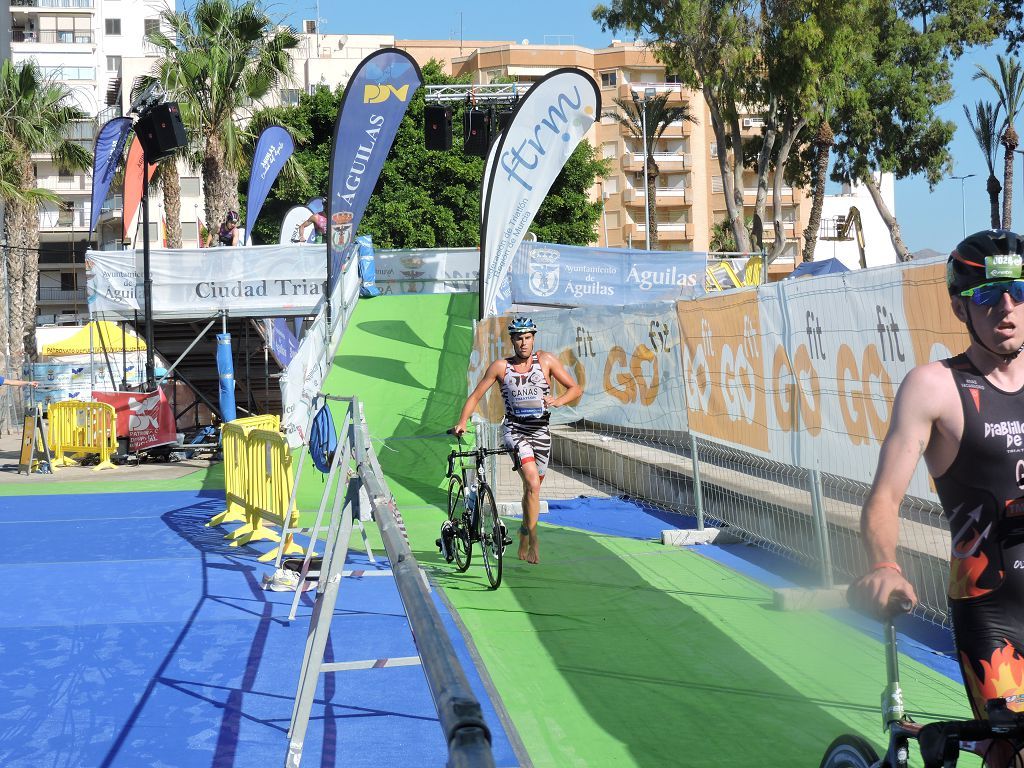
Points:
x=467 y=735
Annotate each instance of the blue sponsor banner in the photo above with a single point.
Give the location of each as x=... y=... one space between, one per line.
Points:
x=106 y=156
x=273 y=149
x=371 y=110
x=574 y=276
x=282 y=342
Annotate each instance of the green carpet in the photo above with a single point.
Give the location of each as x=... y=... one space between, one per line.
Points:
x=612 y=652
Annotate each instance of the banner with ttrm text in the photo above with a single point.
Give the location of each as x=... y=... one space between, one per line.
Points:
x=547 y=124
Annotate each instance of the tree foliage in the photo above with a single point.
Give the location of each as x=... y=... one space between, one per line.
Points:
x=36 y=113
x=423 y=198
x=216 y=59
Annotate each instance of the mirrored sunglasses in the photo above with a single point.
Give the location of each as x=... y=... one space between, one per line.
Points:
x=990 y=294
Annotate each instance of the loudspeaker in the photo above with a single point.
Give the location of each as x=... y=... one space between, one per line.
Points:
x=437 y=127
x=161 y=131
x=504 y=119
x=477 y=131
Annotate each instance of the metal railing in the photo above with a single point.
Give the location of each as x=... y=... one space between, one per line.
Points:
x=459 y=712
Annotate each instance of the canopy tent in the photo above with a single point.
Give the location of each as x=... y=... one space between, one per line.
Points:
x=814 y=268
x=96 y=336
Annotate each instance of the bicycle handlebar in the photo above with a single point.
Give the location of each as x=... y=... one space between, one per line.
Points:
x=479 y=453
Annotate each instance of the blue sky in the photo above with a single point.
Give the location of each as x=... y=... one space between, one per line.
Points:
x=928 y=219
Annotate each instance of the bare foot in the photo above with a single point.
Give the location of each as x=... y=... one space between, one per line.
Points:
x=524 y=543
x=532 y=556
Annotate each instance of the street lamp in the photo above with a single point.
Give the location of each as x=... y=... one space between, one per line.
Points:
x=648 y=95
x=963 y=205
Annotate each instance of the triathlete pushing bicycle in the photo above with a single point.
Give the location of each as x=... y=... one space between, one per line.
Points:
x=525 y=379
x=965 y=415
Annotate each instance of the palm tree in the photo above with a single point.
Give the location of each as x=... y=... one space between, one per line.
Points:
x=985 y=126
x=1009 y=87
x=217 y=59
x=36 y=113
x=659 y=116
x=823 y=141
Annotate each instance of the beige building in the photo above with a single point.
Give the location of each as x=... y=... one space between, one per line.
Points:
x=689 y=199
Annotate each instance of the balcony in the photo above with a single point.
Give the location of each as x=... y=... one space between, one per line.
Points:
x=670 y=196
x=672 y=233
x=58 y=296
x=63 y=4
x=63 y=221
x=677 y=97
x=53 y=37
x=633 y=196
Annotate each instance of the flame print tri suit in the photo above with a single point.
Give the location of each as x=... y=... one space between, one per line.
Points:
x=525 y=429
x=982 y=494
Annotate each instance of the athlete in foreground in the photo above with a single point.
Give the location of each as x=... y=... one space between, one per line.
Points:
x=525 y=379
x=965 y=415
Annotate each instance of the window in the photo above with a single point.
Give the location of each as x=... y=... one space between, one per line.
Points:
x=68 y=282
x=64 y=175
x=290 y=96
x=150 y=26
x=309 y=26
x=611 y=185
x=714 y=150
x=612 y=219
x=113 y=26
x=114 y=64
x=608 y=79
x=189 y=231
x=190 y=186
x=674 y=79
x=609 y=149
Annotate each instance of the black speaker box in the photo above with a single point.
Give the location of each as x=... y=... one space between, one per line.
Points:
x=437 y=127
x=504 y=119
x=161 y=131
x=477 y=125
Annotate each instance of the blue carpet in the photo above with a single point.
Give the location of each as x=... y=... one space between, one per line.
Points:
x=628 y=518
x=135 y=636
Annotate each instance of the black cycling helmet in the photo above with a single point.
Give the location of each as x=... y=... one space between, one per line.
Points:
x=520 y=325
x=993 y=254
x=985 y=257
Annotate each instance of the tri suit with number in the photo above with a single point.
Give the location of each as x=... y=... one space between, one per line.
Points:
x=982 y=494
x=525 y=429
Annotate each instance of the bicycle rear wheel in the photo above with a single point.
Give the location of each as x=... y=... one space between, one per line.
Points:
x=491 y=535
x=850 y=751
x=461 y=543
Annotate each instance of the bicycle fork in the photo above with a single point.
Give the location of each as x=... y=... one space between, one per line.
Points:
x=892 y=699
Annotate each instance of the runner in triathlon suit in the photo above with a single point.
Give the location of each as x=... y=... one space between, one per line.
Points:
x=525 y=379
x=965 y=415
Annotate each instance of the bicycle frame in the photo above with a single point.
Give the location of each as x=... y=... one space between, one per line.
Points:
x=971 y=736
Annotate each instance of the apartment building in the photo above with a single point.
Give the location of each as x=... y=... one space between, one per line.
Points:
x=81 y=43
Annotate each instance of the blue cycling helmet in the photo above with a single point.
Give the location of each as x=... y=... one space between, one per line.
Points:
x=520 y=325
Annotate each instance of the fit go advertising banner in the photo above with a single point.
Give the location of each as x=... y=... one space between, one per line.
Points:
x=626 y=360
x=270 y=280
x=783 y=371
x=545 y=128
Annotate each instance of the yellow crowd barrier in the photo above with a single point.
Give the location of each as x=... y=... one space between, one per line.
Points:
x=233 y=436
x=78 y=427
x=268 y=492
x=257 y=482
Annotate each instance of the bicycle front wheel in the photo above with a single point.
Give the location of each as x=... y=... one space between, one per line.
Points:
x=461 y=542
x=850 y=751
x=492 y=542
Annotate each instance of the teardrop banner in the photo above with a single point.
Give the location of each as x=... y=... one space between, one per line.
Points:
x=547 y=125
x=372 y=108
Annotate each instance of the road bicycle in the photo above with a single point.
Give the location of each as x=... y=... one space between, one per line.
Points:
x=473 y=516
x=940 y=742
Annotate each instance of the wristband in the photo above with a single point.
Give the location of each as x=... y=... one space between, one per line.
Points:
x=886 y=564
